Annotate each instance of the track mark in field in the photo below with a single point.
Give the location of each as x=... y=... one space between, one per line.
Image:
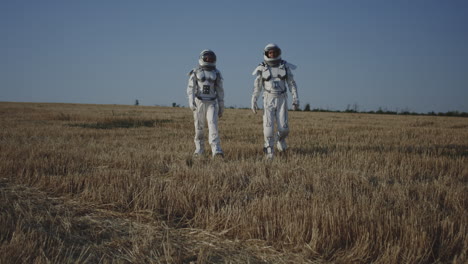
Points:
x=123 y=123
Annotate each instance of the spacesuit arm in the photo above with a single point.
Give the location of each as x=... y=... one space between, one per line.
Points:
x=191 y=88
x=258 y=86
x=292 y=86
x=220 y=93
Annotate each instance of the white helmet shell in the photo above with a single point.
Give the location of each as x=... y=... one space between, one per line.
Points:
x=269 y=47
x=205 y=53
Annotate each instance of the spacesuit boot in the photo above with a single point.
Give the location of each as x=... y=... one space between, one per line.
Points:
x=269 y=153
x=198 y=151
x=199 y=144
x=281 y=145
x=216 y=147
x=217 y=152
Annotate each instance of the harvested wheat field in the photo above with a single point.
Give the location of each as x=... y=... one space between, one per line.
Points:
x=118 y=184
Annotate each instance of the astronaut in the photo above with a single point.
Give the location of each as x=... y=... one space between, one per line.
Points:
x=206 y=100
x=272 y=75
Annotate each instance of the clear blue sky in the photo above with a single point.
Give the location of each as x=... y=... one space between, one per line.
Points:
x=398 y=55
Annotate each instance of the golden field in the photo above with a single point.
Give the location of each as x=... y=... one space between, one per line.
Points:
x=118 y=184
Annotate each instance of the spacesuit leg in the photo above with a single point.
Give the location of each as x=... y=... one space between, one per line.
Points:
x=269 y=116
x=199 y=116
x=213 y=136
x=282 y=120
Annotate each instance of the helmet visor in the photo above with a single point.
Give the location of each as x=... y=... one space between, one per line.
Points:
x=273 y=53
x=209 y=57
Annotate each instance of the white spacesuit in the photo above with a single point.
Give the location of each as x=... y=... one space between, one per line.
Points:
x=272 y=76
x=206 y=99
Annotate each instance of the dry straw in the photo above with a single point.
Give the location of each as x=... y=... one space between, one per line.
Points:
x=107 y=183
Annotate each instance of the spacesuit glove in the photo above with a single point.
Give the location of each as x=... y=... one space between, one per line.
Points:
x=295 y=104
x=254 y=106
x=220 y=111
x=193 y=106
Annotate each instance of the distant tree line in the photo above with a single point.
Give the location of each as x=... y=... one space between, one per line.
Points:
x=355 y=109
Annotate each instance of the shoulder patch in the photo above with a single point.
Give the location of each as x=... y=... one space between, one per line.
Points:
x=192 y=71
x=258 y=69
x=291 y=66
x=219 y=74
